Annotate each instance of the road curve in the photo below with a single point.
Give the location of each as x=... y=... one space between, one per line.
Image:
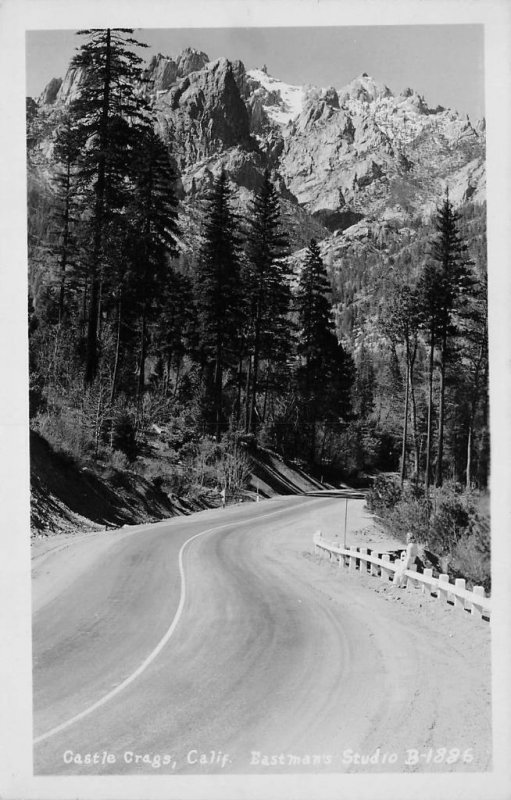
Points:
x=207 y=645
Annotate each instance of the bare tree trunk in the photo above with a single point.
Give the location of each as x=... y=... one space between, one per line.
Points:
x=468 y=474
x=416 y=443
x=255 y=378
x=441 y=414
x=117 y=352
x=218 y=392
x=178 y=375
x=65 y=243
x=166 y=382
x=141 y=370
x=238 y=392
x=247 y=395
x=266 y=384
x=405 y=425
x=95 y=277
x=430 y=414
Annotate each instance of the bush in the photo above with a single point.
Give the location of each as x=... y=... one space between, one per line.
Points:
x=450 y=519
x=449 y=524
x=66 y=433
x=409 y=514
x=124 y=435
x=384 y=494
x=472 y=554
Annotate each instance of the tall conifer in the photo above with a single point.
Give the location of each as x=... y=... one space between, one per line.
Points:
x=267 y=286
x=219 y=297
x=325 y=372
x=108 y=111
x=444 y=285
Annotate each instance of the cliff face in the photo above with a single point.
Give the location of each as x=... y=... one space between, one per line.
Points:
x=203 y=114
x=338 y=156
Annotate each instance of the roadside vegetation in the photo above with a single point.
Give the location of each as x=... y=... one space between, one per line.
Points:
x=178 y=362
x=450 y=523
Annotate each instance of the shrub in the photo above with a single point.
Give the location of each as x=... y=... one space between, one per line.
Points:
x=66 y=433
x=472 y=554
x=384 y=494
x=124 y=435
x=473 y=565
x=409 y=514
x=450 y=520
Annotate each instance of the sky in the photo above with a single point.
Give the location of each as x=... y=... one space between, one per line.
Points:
x=445 y=63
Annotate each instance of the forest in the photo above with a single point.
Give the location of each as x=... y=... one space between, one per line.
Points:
x=374 y=363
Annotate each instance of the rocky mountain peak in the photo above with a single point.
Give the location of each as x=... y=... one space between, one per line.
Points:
x=338 y=155
x=364 y=89
x=49 y=94
x=164 y=71
x=282 y=102
x=204 y=113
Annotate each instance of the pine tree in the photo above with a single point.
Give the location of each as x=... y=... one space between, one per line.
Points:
x=325 y=372
x=472 y=382
x=401 y=324
x=267 y=286
x=152 y=220
x=66 y=151
x=445 y=283
x=219 y=297
x=176 y=332
x=108 y=111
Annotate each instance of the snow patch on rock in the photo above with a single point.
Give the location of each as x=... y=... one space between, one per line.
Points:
x=284 y=102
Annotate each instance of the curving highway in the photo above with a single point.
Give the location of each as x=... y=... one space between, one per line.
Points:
x=216 y=643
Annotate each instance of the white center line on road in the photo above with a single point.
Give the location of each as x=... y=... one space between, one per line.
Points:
x=163 y=641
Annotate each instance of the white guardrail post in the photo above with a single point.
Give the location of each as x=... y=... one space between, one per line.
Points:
x=413 y=568
x=477 y=608
x=442 y=588
x=385 y=571
x=459 y=602
x=426 y=587
x=474 y=601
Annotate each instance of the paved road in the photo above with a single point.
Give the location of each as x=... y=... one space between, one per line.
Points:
x=203 y=645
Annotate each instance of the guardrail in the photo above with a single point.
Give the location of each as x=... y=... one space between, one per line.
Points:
x=474 y=601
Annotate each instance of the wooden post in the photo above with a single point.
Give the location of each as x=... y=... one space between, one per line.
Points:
x=374 y=567
x=459 y=602
x=476 y=608
x=442 y=588
x=363 y=564
x=353 y=560
x=426 y=587
x=385 y=572
x=413 y=568
x=345 y=522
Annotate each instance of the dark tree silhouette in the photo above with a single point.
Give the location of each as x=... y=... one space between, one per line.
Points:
x=219 y=297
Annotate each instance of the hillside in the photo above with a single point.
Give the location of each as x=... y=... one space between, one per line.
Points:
x=68 y=498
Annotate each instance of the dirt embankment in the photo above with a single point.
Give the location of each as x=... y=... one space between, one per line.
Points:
x=67 y=498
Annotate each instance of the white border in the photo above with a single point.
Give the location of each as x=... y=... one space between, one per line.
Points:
x=16 y=779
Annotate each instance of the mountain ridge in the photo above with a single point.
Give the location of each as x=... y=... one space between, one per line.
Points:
x=352 y=165
x=338 y=152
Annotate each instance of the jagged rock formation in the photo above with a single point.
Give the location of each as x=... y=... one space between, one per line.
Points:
x=203 y=114
x=338 y=156
x=50 y=92
x=164 y=71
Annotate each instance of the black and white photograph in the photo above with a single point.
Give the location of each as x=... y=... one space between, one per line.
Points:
x=257 y=367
